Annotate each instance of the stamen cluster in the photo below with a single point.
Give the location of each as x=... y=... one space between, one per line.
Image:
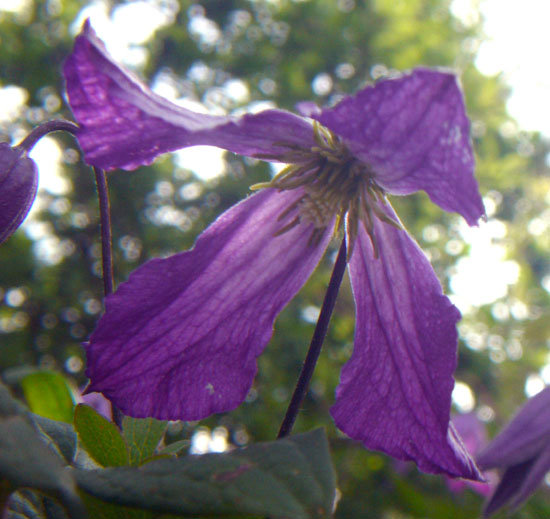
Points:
x=335 y=183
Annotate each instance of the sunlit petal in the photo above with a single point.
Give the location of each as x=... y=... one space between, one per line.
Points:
x=415 y=134
x=124 y=124
x=395 y=391
x=179 y=339
x=526 y=435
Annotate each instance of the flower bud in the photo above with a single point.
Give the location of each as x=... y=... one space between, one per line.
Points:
x=18 y=185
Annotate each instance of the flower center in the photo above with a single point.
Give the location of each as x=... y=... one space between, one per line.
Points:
x=335 y=183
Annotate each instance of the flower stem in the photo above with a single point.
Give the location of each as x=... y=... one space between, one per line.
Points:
x=104 y=212
x=51 y=126
x=106 y=237
x=316 y=342
x=106 y=253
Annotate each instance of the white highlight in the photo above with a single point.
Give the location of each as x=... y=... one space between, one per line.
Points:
x=516 y=46
x=463 y=397
x=485 y=274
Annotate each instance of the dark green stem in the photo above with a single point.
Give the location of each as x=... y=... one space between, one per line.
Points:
x=106 y=252
x=106 y=237
x=316 y=342
x=104 y=212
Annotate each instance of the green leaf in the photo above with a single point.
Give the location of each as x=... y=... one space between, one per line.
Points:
x=60 y=436
x=142 y=436
x=175 y=447
x=101 y=438
x=25 y=504
x=101 y=510
x=48 y=395
x=291 y=478
x=26 y=461
x=29 y=504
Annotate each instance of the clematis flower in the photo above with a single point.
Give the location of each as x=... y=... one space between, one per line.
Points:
x=522 y=451
x=18 y=185
x=180 y=338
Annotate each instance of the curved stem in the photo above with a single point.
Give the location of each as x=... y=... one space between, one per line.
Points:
x=106 y=235
x=104 y=212
x=316 y=342
x=51 y=126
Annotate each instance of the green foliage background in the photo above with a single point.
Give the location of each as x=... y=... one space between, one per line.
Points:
x=278 y=48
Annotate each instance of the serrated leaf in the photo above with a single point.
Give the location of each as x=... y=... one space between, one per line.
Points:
x=101 y=438
x=26 y=461
x=24 y=458
x=48 y=395
x=60 y=436
x=291 y=478
x=142 y=436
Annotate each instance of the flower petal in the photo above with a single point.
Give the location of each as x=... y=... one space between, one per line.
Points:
x=179 y=339
x=534 y=477
x=519 y=482
x=125 y=125
x=395 y=391
x=18 y=184
x=524 y=437
x=414 y=132
x=507 y=487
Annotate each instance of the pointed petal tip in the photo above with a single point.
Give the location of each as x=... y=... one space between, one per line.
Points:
x=468 y=468
x=88 y=388
x=414 y=132
x=395 y=391
x=123 y=124
x=524 y=437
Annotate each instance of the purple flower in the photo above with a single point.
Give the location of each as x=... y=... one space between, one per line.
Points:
x=18 y=184
x=180 y=339
x=474 y=437
x=522 y=450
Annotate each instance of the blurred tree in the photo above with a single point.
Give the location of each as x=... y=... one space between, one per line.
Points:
x=236 y=54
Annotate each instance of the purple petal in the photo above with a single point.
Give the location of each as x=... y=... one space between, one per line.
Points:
x=471 y=430
x=534 y=477
x=523 y=438
x=415 y=134
x=507 y=487
x=18 y=184
x=519 y=482
x=98 y=402
x=179 y=339
x=308 y=109
x=125 y=125
x=395 y=391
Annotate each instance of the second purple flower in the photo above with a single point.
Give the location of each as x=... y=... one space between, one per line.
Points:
x=180 y=339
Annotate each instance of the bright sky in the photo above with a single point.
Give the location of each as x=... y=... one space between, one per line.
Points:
x=516 y=45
